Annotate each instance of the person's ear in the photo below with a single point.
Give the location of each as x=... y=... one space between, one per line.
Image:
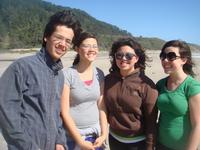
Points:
x=137 y=58
x=184 y=60
x=45 y=39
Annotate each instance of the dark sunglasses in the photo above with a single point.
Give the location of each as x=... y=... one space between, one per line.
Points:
x=171 y=56
x=121 y=55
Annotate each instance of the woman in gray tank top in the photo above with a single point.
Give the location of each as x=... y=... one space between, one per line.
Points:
x=82 y=104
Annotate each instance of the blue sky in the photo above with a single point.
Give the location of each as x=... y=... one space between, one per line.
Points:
x=165 y=19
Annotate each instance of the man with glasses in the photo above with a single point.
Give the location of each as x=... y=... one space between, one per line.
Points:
x=31 y=88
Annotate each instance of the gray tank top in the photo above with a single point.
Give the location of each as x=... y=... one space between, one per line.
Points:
x=83 y=98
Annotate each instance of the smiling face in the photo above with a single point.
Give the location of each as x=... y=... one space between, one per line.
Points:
x=59 y=42
x=88 y=50
x=127 y=61
x=175 y=65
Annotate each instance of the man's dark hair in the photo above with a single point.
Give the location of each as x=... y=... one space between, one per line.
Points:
x=66 y=18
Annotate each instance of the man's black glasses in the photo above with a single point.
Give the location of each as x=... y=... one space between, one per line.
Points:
x=121 y=55
x=171 y=56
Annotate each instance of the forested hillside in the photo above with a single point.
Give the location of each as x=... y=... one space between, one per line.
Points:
x=22 y=23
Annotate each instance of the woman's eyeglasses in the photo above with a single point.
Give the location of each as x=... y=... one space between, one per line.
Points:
x=121 y=55
x=171 y=56
x=88 y=46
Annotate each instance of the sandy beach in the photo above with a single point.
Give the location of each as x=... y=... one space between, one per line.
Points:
x=153 y=70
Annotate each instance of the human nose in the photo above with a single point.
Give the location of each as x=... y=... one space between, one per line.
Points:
x=124 y=57
x=65 y=43
x=165 y=59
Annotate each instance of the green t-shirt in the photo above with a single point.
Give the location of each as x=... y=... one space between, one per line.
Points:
x=174 y=122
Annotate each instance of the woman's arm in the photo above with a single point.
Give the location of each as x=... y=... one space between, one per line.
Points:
x=69 y=122
x=194 y=109
x=150 y=117
x=103 y=119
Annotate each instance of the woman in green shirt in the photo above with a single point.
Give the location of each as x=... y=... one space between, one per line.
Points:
x=179 y=99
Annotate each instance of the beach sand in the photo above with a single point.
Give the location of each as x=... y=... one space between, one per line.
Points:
x=153 y=70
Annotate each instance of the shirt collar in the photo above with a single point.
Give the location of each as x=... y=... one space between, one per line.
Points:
x=44 y=55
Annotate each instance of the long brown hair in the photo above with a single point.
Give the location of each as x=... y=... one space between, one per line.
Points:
x=185 y=52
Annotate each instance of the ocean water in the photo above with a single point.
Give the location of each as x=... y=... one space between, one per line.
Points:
x=195 y=55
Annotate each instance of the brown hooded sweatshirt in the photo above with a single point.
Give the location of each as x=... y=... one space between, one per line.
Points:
x=130 y=102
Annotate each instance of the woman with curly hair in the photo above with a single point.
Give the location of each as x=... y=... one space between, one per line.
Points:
x=130 y=97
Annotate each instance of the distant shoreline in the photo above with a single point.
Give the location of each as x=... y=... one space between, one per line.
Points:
x=154 y=70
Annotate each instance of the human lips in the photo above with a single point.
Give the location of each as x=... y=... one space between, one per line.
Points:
x=124 y=63
x=91 y=54
x=167 y=66
x=60 y=49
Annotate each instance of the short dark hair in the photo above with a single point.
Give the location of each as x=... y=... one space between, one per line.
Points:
x=66 y=18
x=139 y=51
x=184 y=51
